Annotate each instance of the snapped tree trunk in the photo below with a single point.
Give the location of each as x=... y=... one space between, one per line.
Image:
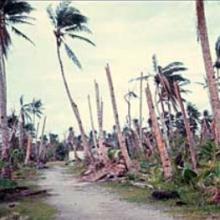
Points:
x=164 y=156
x=28 y=151
x=121 y=138
x=87 y=151
x=212 y=82
x=103 y=151
x=41 y=147
x=92 y=123
x=187 y=127
x=140 y=109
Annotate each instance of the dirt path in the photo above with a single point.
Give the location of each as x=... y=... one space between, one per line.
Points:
x=84 y=201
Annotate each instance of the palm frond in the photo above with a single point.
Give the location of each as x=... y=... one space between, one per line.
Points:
x=74 y=36
x=78 y=28
x=17 y=7
x=72 y=56
x=52 y=15
x=20 y=34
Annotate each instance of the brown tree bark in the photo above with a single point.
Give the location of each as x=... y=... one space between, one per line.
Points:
x=103 y=151
x=164 y=156
x=28 y=151
x=187 y=127
x=6 y=173
x=87 y=151
x=121 y=138
x=212 y=81
x=92 y=123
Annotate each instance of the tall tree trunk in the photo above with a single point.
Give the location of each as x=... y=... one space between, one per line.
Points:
x=121 y=138
x=87 y=151
x=21 y=130
x=92 y=123
x=164 y=156
x=212 y=82
x=162 y=119
x=28 y=151
x=6 y=172
x=141 y=109
x=187 y=127
x=42 y=140
x=103 y=151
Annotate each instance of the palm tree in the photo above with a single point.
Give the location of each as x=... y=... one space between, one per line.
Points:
x=213 y=89
x=67 y=22
x=193 y=114
x=36 y=108
x=12 y=12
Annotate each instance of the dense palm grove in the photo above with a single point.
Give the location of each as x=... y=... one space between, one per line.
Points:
x=178 y=143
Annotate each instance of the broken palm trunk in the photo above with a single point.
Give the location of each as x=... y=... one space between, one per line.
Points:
x=166 y=163
x=28 y=151
x=187 y=127
x=103 y=151
x=121 y=138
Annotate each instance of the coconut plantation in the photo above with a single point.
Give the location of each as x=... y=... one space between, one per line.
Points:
x=109 y=110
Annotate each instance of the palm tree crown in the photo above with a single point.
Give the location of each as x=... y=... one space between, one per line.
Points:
x=68 y=22
x=13 y=12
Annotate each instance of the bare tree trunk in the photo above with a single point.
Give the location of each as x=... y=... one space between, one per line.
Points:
x=141 y=109
x=166 y=163
x=21 y=130
x=161 y=115
x=6 y=172
x=103 y=151
x=42 y=139
x=92 y=123
x=212 y=82
x=28 y=151
x=187 y=127
x=121 y=138
x=87 y=151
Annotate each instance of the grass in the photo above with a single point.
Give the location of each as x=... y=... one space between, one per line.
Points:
x=33 y=208
x=194 y=208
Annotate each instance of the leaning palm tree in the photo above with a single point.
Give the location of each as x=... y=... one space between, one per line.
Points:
x=211 y=79
x=12 y=12
x=67 y=22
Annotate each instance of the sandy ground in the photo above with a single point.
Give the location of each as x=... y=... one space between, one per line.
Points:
x=84 y=201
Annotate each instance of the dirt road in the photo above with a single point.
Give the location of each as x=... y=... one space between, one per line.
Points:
x=84 y=201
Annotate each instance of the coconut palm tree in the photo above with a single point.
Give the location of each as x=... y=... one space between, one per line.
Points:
x=36 y=107
x=213 y=89
x=12 y=13
x=68 y=22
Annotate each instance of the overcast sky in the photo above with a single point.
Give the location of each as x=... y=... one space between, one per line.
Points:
x=127 y=34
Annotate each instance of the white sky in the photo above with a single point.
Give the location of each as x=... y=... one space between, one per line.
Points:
x=127 y=34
